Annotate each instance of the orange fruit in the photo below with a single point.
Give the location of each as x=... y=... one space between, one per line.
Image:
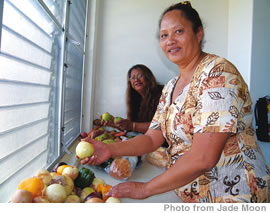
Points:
x=34 y=185
x=104 y=188
x=61 y=168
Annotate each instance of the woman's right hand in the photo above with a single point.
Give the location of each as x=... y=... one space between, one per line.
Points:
x=100 y=155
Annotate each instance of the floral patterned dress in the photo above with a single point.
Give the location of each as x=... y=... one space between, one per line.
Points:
x=216 y=100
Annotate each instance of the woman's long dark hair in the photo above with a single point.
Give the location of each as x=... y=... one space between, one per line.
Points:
x=142 y=109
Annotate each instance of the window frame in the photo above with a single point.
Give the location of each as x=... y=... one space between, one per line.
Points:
x=59 y=147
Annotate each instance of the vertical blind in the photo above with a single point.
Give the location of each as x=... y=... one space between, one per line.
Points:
x=41 y=73
x=74 y=64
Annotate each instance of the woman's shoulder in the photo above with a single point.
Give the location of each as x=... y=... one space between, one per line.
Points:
x=211 y=60
x=218 y=69
x=213 y=65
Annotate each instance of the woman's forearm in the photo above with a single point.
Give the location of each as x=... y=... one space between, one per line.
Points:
x=203 y=156
x=140 y=126
x=136 y=146
x=185 y=170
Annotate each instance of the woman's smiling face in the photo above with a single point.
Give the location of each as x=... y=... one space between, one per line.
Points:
x=177 y=39
x=138 y=81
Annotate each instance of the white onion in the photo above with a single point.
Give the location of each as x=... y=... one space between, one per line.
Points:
x=56 y=193
x=84 y=149
x=113 y=200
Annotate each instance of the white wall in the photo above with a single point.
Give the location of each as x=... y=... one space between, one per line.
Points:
x=260 y=71
x=240 y=36
x=127 y=35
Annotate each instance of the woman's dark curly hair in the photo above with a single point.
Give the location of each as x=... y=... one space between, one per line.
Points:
x=188 y=11
x=142 y=109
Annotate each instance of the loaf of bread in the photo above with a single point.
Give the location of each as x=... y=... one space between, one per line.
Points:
x=120 y=168
x=158 y=157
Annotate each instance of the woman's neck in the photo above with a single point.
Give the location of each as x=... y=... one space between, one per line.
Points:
x=187 y=71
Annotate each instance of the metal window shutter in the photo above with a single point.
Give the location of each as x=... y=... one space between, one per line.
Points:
x=31 y=104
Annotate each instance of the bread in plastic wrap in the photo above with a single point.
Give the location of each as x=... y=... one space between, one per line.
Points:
x=122 y=168
x=158 y=157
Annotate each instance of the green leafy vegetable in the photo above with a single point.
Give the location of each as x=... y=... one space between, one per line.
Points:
x=85 y=178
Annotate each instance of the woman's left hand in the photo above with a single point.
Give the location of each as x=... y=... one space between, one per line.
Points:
x=135 y=190
x=123 y=124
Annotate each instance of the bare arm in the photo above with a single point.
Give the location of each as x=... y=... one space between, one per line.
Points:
x=126 y=124
x=204 y=154
x=140 y=126
x=138 y=145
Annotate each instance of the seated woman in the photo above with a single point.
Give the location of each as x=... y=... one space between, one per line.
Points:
x=142 y=97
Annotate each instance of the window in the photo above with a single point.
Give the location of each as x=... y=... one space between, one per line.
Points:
x=41 y=75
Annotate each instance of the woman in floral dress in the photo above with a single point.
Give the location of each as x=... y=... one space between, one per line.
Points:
x=205 y=114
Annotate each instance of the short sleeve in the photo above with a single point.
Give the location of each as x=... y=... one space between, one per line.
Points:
x=222 y=94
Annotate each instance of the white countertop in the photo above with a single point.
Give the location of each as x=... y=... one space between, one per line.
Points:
x=142 y=173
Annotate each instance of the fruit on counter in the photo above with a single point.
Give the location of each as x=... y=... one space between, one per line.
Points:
x=85 y=192
x=104 y=188
x=96 y=133
x=22 y=196
x=117 y=119
x=44 y=175
x=106 y=116
x=96 y=182
x=113 y=200
x=57 y=165
x=56 y=193
x=84 y=149
x=84 y=134
x=73 y=199
x=40 y=199
x=119 y=134
x=108 y=141
x=62 y=188
x=54 y=174
x=93 y=130
x=93 y=194
x=65 y=181
x=94 y=200
x=60 y=169
x=85 y=178
x=69 y=184
x=34 y=185
x=72 y=172
x=104 y=136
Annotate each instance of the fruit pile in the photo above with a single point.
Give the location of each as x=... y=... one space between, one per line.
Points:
x=99 y=133
x=64 y=184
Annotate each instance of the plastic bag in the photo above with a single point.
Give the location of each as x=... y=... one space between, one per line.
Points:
x=119 y=168
x=122 y=168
